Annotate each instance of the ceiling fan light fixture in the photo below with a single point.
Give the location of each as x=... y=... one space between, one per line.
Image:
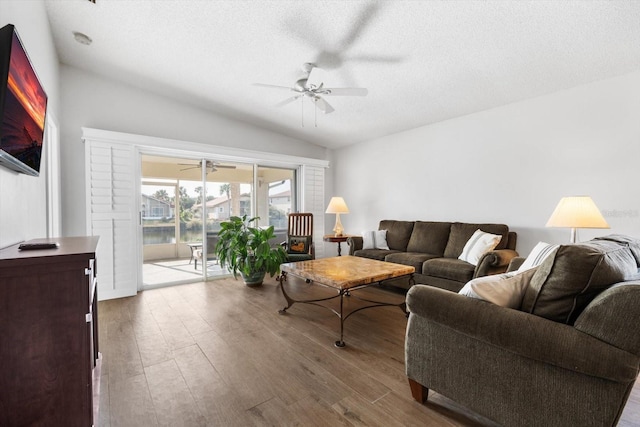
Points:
x=300 y=85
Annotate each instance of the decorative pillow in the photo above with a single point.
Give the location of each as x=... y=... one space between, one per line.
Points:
x=461 y=232
x=298 y=244
x=505 y=290
x=479 y=244
x=538 y=254
x=567 y=280
x=374 y=239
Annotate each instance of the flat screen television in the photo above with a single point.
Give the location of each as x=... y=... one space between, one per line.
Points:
x=23 y=106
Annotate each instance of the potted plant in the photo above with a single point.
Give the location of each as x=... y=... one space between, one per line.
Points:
x=246 y=249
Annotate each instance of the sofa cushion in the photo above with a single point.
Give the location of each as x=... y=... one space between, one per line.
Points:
x=448 y=268
x=378 y=254
x=429 y=237
x=568 y=279
x=413 y=259
x=398 y=233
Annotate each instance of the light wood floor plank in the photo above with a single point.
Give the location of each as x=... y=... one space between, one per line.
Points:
x=153 y=349
x=171 y=397
x=217 y=401
x=314 y=411
x=130 y=403
x=120 y=350
x=236 y=369
x=274 y=412
x=104 y=415
x=360 y=412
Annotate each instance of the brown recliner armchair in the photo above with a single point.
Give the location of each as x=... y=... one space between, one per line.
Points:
x=569 y=357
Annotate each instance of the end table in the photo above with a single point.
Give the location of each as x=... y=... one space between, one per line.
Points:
x=336 y=239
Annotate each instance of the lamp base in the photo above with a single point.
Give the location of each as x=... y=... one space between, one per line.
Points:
x=338 y=230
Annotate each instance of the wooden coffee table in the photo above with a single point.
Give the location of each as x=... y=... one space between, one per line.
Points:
x=344 y=274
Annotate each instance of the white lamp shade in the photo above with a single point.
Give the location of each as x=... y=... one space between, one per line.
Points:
x=577 y=212
x=337 y=205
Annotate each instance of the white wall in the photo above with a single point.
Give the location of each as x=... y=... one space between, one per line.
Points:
x=510 y=165
x=23 y=213
x=92 y=101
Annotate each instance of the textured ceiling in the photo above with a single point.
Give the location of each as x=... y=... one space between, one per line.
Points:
x=422 y=61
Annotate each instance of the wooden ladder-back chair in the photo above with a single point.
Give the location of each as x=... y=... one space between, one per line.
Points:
x=299 y=244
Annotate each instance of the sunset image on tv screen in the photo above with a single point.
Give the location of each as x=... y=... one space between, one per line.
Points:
x=25 y=106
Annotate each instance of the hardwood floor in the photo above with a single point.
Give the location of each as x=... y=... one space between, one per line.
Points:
x=218 y=353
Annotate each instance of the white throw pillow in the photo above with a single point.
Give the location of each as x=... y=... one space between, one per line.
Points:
x=538 y=254
x=505 y=290
x=374 y=239
x=380 y=237
x=479 y=244
x=367 y=240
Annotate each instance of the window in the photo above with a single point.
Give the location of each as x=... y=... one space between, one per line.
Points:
x=275 y=196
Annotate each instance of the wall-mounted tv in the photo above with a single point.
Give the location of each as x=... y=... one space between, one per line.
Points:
x=23 y=105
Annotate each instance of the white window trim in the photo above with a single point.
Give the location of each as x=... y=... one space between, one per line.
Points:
x=196 y=150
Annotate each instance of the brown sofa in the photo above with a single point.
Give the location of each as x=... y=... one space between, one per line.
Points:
x=433 y=249
x=569 y=356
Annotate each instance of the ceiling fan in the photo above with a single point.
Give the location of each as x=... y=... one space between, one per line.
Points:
x=210 y=165
x=312 y=86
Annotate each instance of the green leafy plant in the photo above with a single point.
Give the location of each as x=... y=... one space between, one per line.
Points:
x=246 y=249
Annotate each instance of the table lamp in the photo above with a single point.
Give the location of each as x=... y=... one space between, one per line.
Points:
x=577 y=212
x=337 y=206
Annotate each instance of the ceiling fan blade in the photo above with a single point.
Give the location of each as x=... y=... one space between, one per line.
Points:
x=272 y=86
x=287 y=101
x=214 y=165
x=346 y=91
x=323 y=105
x=377 y=58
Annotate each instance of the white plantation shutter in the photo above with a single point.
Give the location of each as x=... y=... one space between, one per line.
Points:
x=112 y=215
x=313 y=201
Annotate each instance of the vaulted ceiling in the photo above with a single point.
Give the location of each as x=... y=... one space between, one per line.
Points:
x=421 y=61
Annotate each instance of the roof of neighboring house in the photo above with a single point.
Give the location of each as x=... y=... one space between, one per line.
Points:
x=281 y=194
x=218 y=201
x=158 y=200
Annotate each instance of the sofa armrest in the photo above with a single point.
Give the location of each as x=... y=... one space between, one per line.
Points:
x=613 y=316
x=494 y=262
x=520 y=333
x=515 y=263
x=355 y=244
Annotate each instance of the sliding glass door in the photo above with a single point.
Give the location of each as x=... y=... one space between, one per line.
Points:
x=183 y=202
x=275 y=197
x=171 y=230
x=228 y=192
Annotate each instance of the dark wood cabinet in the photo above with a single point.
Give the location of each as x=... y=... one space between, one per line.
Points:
x=48 y=334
